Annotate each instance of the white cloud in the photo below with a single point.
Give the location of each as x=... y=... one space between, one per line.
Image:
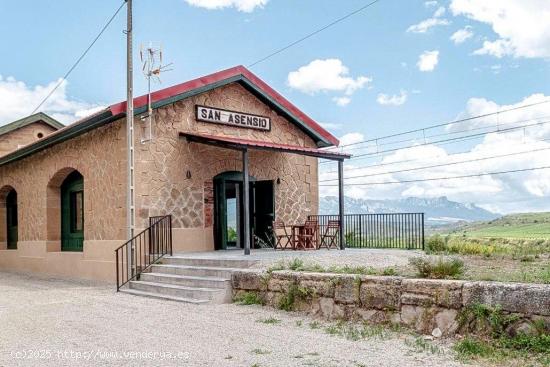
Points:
x=329 y=75
x=462 y=35
x=246 y=6
x=428 y=60
x=17 y=100
x=394 y=100
x=429 y=4
x=342 y=101
x=440 y=12
x=351 y=138
x=425 y=25
x=521 y=25
x=514 y=192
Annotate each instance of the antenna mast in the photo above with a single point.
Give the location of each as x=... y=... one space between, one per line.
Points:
x=151 y=58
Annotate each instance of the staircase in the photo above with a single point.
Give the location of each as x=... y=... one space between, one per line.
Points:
x=189 y=279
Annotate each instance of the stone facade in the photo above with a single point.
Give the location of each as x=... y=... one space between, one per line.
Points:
x=421 y=304
x=162 y=185
x=17 y=138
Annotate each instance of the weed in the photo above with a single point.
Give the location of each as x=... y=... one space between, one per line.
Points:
x=269 y=321
x=260 y=351
x=293 y=294
x=314 y=325
x=440 y=269
x=356 y=332
x=419 y=344
x=248 y=298
x=299 y=323
x=389 y=272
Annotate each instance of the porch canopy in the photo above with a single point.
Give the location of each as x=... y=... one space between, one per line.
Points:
x=244 y=145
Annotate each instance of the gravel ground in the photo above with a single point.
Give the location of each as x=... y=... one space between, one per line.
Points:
x=65 y=321
x=377 y=258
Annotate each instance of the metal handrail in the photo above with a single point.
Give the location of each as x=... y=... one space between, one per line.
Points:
x=147 y=247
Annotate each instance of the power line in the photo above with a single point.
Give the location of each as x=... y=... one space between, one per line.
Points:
x=313 y=33
x=81 y=57
x=441 y=178
x=425 y=138
x=447 y=123
x=445 y=141
x=441 y=165
x=416 y=159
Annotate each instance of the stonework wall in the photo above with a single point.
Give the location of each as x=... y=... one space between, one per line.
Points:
x=163 y=188
x=27 y=134
x=162 y=185
x=421 y=304
x=99 y=156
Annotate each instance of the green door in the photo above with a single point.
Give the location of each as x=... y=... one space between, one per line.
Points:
x=72 y=213
x=11 y=220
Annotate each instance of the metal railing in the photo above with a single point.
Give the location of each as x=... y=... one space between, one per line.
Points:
x=147 y=247
x=395 y=230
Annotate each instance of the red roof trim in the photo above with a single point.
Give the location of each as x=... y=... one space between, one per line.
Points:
x=220 y=76
x=265 y=144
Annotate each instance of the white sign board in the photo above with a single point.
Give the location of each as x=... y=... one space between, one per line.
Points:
x=232 y=118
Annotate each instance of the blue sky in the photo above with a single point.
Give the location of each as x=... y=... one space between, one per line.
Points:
x=379 y=44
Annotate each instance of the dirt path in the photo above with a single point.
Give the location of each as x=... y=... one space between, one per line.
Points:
x=51 y=322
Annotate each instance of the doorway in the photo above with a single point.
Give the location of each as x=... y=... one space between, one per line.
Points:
x=72 y=213
x=11 y=220
x=229 y=211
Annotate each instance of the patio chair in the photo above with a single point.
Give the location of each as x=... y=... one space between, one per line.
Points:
x=282 y=237
x=308 y=235
x=330 y=237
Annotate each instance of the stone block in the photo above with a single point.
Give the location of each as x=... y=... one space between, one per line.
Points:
x=321 y=285
x=381 y=293
x=346 y=289
x=247 y=280
x=527 y=299
x=432 y=292
x=280 y=281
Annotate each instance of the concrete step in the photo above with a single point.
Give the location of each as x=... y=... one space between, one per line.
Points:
x=136 y=292
x=209 y=294
x=211 y=262
x=197 y=271
x=187 y=280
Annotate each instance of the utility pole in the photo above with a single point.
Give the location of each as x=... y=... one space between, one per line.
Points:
x=130 y=194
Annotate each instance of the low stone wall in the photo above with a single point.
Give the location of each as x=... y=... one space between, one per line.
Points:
x=428 y=306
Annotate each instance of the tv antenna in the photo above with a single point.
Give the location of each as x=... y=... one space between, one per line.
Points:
x=151 y=58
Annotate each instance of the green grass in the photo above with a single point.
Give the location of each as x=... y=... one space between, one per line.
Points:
x=514 y=226
x=494 y=342
x=248 y=298
x=298 y=264
x=439 y=269
x=270 y=321
x=353 y=331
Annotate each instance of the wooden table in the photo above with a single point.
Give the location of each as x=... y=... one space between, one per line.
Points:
x=297 y=242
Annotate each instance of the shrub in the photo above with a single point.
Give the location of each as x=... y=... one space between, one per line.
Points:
x=440 y=269
x=435 y=243
x=248 y=298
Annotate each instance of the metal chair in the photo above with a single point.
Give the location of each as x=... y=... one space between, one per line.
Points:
x=308 y=235
x=330 y=237
x=282 y=237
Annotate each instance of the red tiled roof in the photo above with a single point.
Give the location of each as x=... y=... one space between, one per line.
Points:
x=214 y=78
x=231 y=142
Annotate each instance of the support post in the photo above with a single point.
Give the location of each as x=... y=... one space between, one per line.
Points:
x=130 y=197
x=246 y=204
x=341 y=203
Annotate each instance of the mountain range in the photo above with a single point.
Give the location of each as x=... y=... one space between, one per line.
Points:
x=438 y=211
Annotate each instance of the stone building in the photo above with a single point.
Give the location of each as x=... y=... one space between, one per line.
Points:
x=63 y=193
